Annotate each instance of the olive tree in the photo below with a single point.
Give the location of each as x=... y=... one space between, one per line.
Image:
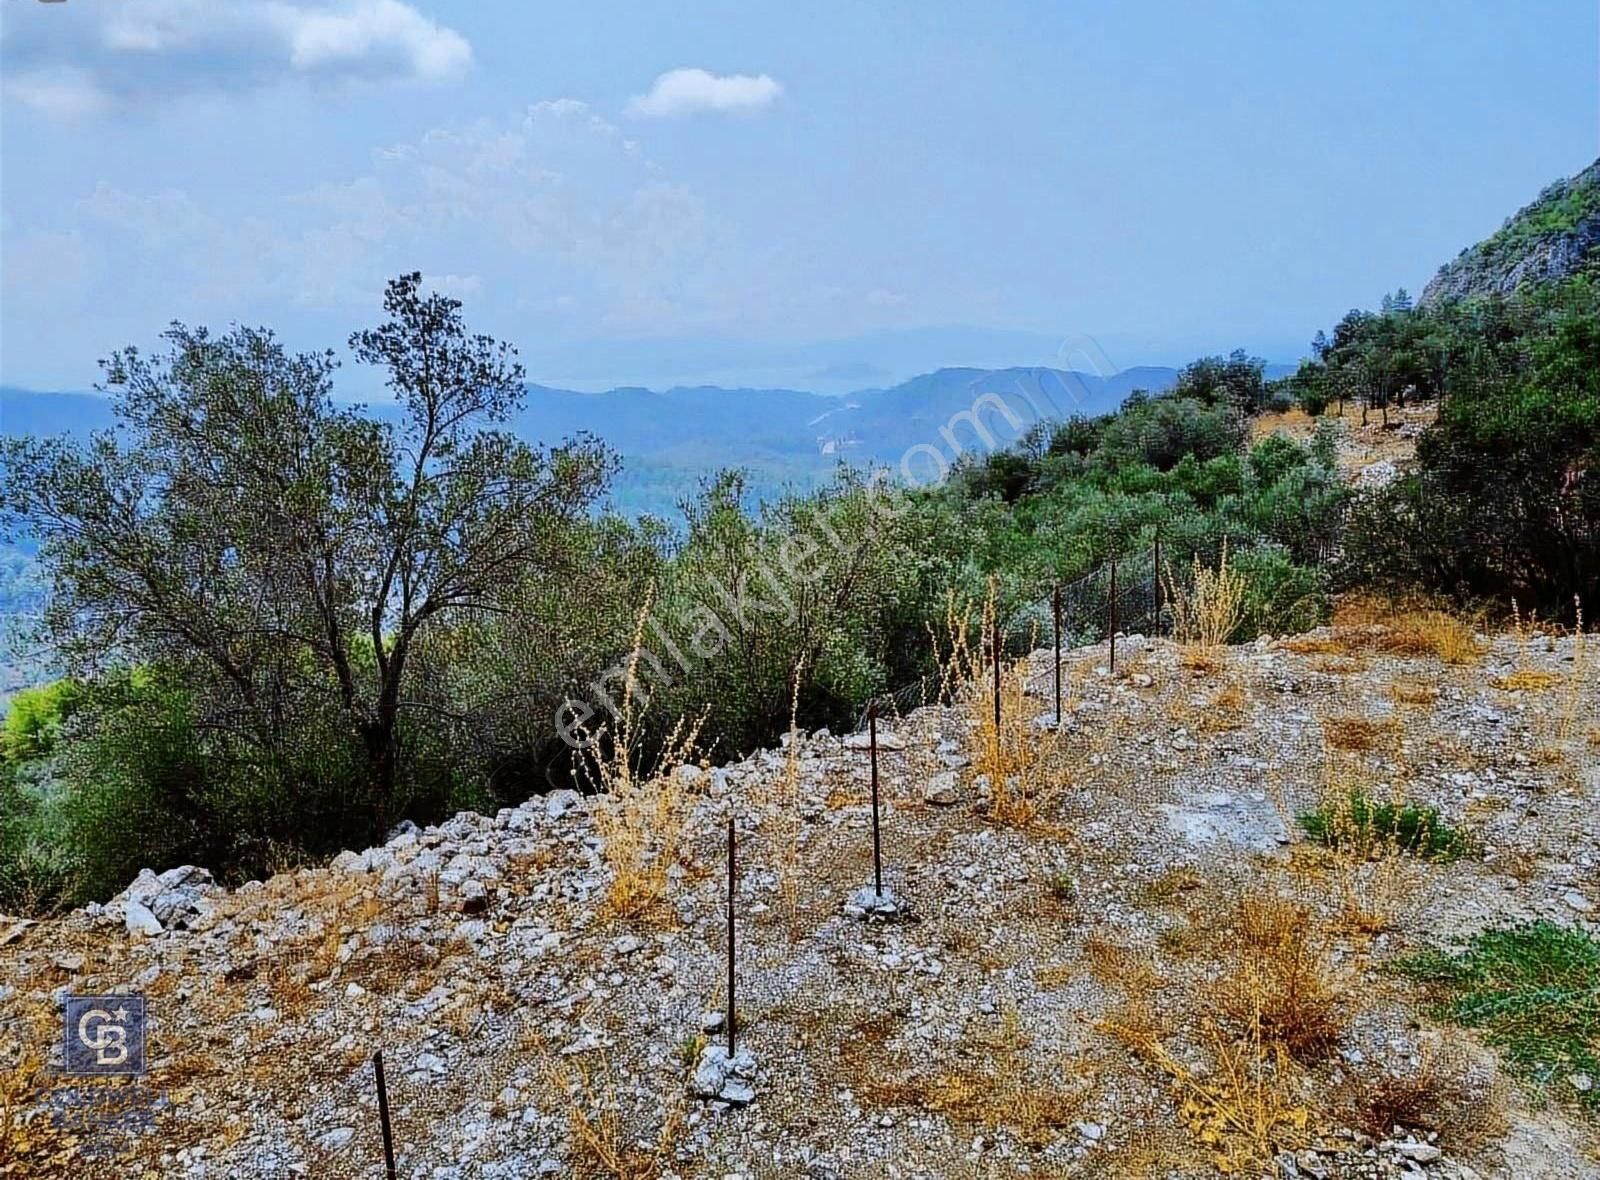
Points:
x=290 y=554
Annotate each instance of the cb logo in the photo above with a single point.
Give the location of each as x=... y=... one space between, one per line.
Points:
x=105 y=1035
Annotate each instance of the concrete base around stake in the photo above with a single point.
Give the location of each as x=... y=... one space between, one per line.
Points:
x=720 y=1078
x=867 y=902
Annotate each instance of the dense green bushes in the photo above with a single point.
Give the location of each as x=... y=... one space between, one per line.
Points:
x=1505 y=498
x=377 y=637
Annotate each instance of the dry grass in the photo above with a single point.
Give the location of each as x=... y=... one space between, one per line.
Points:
x=787 y=806
x=1525 y=677
x=1572 y=687
x=1405 y=627
x=1373 y=895
x=641 y=813
x=1356 y=733
x=602 y=1146
x=1172 y=885
x=1442 y=1093
x=986 y=1084
x=1244 y=1109
x=1133 y=971
x=1413 y=692
x=1261 y=1006
x=1206 y=611
x=1280 y=986
x=1012 y=755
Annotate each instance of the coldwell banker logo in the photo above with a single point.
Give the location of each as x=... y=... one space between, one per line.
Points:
x=105 y=1035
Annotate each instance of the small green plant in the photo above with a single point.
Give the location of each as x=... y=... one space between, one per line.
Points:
x=1364 y=825
x=1061 y=887
x=1534 y=990
x=690 y=1048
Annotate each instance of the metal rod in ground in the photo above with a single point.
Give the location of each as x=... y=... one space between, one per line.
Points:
x=1157 y=559
x=383 y=1113
x=733 y=1022
x=877 y=841
x=1055 y=605
x=997 y=681
x=1111 y=615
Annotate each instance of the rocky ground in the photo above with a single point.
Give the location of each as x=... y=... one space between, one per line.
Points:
x=1369 y=453
x=1054 y=991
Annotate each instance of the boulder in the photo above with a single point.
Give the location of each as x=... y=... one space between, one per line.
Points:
x=140 y=920
x=174 y=900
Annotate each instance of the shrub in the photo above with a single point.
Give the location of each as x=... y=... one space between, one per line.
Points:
x=1499 y=505
x=33 y=720
x=1280 y=597
x=1370 y=828
x=35 y=872
x=148 y=783
x=1534 y=990
x=1281 y=989
x=1207 y=609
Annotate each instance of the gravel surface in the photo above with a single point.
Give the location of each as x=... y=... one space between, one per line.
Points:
x=995 y=1016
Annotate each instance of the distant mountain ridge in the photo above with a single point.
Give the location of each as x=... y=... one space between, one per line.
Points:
x=877 y=422
x=1557 y=235
x=783 y=437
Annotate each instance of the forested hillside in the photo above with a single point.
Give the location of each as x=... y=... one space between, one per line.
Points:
x=292 y=624
x=1556 y=236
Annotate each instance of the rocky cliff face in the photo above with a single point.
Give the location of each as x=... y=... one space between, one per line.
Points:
x=1557 y=235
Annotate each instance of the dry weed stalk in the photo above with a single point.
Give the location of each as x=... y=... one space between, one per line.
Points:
x=788 y=804
x=1207 y=611
x=1572 y=689
x=1280 y=987
x=1244 y=1111
x=1014 y=756
x=601 y=1149
x=1272 y=1000
x=641 y=813
x=1525 y=677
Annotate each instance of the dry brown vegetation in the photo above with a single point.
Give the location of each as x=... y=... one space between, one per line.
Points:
x=1410 y=627
x=604 y=1148
x=1222 y=1006
x=642 y=812
x=1011 y=754
x=1279 y=986
x=1356 y=733
x=1206 y=610
x=989 y=1084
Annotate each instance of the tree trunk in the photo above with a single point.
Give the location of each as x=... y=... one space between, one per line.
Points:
x=382 y=736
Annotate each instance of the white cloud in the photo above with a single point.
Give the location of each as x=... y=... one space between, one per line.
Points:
x=59 y=92
x=68 y=61
x=456 y=286
x=691 y=91
x=366 y=32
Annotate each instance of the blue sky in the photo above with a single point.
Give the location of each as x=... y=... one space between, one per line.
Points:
x=771 y=193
